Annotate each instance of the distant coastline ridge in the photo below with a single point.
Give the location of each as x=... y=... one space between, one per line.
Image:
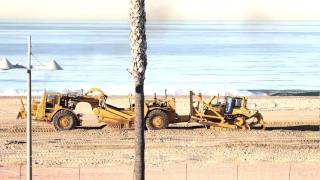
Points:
x=287 y=92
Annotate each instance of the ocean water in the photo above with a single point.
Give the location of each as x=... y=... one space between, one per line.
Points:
x=208 y=57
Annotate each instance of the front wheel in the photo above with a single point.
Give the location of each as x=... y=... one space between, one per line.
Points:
x=157 y=119
x=64 y=120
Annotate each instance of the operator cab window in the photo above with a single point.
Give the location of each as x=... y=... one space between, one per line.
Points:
x=52 y=100
x=229 y=100
x=237 y=102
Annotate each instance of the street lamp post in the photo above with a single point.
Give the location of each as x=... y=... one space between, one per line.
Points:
x=6 y=65
x=29 y=115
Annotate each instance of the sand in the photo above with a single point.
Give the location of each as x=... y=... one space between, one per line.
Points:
x=292 y=136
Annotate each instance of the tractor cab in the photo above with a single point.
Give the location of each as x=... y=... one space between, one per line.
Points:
x=49 y=103
x=52 y=100
x=235 y=104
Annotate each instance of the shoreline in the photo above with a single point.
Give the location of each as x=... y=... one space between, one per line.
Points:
x=237 y=92
x=187 y=96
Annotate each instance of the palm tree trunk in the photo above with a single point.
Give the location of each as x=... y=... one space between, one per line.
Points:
x=139 y=59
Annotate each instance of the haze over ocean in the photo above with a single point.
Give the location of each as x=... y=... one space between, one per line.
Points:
x=210 y=57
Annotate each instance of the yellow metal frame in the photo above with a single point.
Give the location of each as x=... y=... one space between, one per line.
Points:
x=208 y=107
x=95 y=89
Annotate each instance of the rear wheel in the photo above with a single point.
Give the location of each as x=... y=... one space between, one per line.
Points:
x=157 y=119
x=64 y=120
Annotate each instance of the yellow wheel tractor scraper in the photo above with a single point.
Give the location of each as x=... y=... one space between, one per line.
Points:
x=58 y=109
x=233 y=113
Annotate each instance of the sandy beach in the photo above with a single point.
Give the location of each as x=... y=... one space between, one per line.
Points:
x=292 y=135
x=266 y=50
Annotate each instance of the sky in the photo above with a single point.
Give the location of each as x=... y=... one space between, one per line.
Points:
x=161 y=9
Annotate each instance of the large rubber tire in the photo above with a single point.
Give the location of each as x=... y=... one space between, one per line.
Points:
x=157 y=119
x=64 y=120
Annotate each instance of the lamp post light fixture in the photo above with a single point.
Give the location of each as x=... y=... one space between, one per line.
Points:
x=5 y=64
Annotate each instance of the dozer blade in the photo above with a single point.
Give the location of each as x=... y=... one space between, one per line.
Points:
x=22 y=114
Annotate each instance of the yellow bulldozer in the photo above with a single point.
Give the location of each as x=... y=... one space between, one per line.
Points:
x=233 y=113
x=58 y=109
